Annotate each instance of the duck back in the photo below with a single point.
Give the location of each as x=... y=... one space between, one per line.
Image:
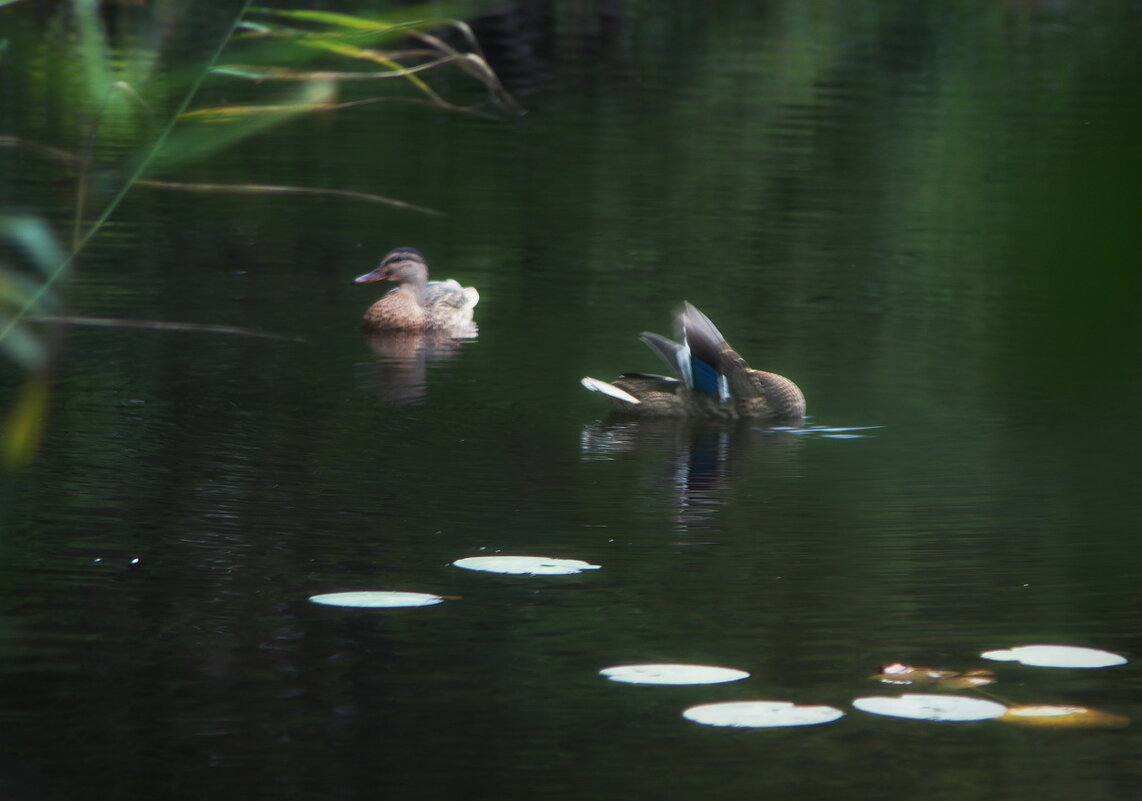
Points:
x=449 y=305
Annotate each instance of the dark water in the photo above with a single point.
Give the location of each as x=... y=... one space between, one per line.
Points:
x=924 y=214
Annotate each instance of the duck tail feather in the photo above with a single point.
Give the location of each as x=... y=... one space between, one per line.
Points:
x=610 y=390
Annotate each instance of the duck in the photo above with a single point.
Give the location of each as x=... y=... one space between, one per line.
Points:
x=710 y=380
x=417 y=304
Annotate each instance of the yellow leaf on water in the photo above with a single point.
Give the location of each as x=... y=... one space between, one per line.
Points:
x=1063 y=717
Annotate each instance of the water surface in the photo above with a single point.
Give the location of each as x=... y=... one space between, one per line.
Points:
x=920 y=215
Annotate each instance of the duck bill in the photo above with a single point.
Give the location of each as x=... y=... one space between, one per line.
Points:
x=374 y=275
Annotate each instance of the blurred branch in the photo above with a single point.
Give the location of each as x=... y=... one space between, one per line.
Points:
x=271 y=189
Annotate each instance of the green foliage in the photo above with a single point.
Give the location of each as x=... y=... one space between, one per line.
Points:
x=127 y=115
x=23 y=292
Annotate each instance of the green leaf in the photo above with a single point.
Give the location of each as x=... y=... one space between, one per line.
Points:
x=24 y=347
x=328 y=18
x=377 y=57
x=36 y=239
x=231 y=124
x=24 y=423
x=94 y=52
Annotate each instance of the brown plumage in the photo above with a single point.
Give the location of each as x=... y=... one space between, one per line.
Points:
x=714 y=380
x=418 y=304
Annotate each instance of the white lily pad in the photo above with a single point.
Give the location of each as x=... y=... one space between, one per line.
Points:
x=1059 y=656
x=376 y=599
x=667 y=673
x=525 y=565
x=761 y=714
x=919 y=706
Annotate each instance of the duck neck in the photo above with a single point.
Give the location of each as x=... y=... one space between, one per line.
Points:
x=416 y=286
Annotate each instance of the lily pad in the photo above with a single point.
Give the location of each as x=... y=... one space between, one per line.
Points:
x=1058 y=656
x=525 y=565
x=761 y=714
x=918 y=706
x=1063 y=717
x=673 y=674
x=376 y=599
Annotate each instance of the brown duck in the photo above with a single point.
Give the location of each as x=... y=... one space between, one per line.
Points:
x=713 y=380
x=417 y=304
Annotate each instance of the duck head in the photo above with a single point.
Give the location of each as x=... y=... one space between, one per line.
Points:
x=401 y=265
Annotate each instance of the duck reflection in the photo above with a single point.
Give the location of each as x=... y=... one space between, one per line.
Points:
x=403 y=359
x=698 y=460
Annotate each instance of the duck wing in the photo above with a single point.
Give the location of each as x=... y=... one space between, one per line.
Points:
x=700 y=357
x=671 y=352
x=713 y=361
x=450 y=294
x=756 y=392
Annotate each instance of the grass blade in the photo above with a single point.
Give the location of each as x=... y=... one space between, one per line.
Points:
x=274 y=189
x=331 y=18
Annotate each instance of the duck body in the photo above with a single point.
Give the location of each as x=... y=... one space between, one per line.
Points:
x=417 y=304
x=712 y=380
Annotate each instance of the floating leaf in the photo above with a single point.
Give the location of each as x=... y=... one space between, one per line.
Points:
x=761 y=714
x=1059 y=656
x=672 y=674
x=525 y=565
x=948 y=679
x=377 y=599
x=917 y=706
x=1063 y=717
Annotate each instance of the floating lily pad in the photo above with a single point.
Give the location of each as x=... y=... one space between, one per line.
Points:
x=1063 y=717
x=673 y=674
x=1059 y=656
x=376 y=599
x=525 y=565
x=918 y=706
x=761 y=714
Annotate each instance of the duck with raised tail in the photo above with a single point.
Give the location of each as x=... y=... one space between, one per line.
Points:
x=712 y=380
x=417 y=304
